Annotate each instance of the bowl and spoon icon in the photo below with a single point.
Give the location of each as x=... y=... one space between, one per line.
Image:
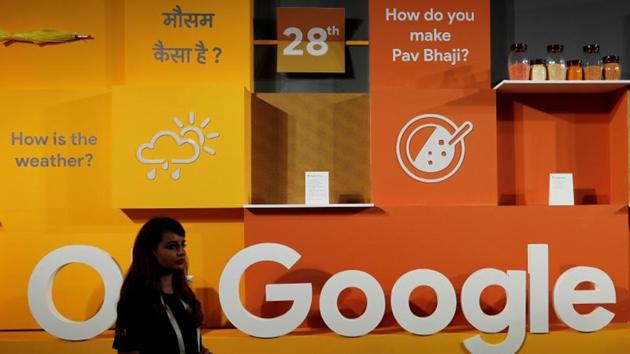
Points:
x=434 y=161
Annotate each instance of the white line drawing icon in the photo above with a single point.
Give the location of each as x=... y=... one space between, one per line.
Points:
x=165 y=164
x=200 y=135
x=441 y=154
x=180 y=140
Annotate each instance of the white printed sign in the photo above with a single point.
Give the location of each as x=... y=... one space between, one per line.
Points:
x=561 y=189
x=316 y=188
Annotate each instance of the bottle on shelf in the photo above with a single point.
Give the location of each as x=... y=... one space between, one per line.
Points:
x=574 y=70
x=592 y=62
x=539 y=70
x=518 y=62
x=612 y=68
x=556 y=65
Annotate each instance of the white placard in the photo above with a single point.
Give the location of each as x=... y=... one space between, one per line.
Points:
x=561 y=189
x=316 y=188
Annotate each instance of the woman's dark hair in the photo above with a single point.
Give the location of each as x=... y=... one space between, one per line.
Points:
x=144 y=273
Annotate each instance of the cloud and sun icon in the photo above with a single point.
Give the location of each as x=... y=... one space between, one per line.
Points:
x=189 y=149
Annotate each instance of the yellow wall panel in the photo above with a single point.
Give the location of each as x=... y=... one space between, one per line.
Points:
x=46 y=114
x=230 y=32
x=64 y=89
x=84 y=63
x=77 y=290
x=179 y=147
x=42 y=209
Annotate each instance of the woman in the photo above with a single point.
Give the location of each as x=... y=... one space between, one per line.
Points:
x=157 y=310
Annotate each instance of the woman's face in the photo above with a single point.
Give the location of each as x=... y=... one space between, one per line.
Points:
x=171 y=252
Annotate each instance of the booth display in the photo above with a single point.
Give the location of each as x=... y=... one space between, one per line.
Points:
x=418 y=176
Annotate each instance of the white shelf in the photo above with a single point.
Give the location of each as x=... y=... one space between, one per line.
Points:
x=305 y=206
x=526 y=86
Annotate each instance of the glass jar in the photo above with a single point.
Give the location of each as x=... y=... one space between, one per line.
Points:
x=574 y=70
x=539 y=70
x=612 y=68
x=592 y=62
x=556 y=66
x=518 y=63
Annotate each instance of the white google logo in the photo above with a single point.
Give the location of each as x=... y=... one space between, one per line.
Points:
x=512 y=317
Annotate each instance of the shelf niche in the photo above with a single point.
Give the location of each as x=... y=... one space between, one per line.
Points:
x=297 y=132
x=583 y=134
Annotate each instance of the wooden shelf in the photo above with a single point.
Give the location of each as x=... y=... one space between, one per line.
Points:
x=526 y=86
x=305 y=206
x=275 y=42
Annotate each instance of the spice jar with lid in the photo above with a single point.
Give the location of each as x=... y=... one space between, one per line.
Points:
x=574 y=70
x=518 y=62
x=539 y=70
x=612 y=68
x=592 y=62
x=556 y=66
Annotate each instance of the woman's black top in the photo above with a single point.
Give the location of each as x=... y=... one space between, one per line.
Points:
x=143 y=325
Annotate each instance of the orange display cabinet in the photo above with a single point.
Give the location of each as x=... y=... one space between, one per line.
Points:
x=549 y=128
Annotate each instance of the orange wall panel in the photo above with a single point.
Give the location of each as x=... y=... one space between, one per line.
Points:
x=456 y=241
x=540 y=134
x=461 y=92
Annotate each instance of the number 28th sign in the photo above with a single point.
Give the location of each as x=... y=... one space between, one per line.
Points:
x=311 y=39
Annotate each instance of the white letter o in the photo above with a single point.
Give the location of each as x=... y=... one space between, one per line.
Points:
x=374 y=311
x=41 y=302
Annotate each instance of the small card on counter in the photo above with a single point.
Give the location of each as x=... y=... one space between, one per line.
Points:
x=561 y=189
x=316 y=188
